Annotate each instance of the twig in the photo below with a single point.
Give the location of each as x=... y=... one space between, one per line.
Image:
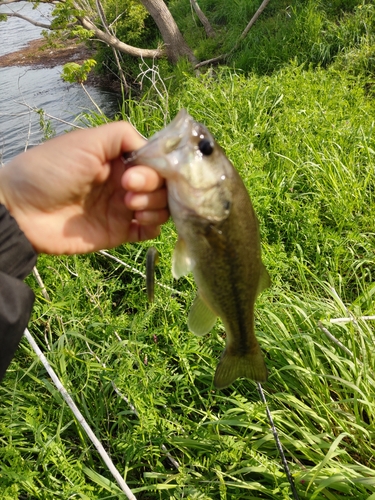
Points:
x=32 y=108
x=28 y=134
x=131 y=406
x=109 y=30
x=278 y=443
x=152 y=74
x=347 y=320
x=81 y=420
x=134 y=270
x=28 y=19
x=41 y=284
x=334 y=339
x=67 y=398
x=213 y=60
x=92 y=100
x=253 y=20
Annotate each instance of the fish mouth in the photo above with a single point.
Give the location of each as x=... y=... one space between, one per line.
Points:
x=154 y=154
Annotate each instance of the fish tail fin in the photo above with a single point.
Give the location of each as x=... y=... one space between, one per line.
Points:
x=232 y=366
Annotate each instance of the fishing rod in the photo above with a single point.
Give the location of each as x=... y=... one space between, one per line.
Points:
x=151 y=260
x=278 y=443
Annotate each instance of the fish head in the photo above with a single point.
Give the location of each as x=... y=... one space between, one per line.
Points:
x=195 y=167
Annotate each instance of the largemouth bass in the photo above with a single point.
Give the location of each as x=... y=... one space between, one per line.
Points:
x=218 y=240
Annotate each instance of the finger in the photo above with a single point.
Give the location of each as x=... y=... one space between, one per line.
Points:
x=107 y=142
x=142 y=233
x=146 y=201
x=151 y=217
x=141 y=179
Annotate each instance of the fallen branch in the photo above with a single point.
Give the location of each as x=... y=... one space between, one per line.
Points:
x=254 y=19
x=213 y=60
x=133 y=409
x=334 y=340
x=348 y=320
x=243 y=35
x=80 y=418
x=41 y=284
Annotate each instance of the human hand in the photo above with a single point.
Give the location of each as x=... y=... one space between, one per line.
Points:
x=72 y=194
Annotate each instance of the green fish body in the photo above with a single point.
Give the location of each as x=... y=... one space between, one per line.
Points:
x=218 y=240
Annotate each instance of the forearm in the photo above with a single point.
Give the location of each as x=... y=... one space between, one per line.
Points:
x=17 y=258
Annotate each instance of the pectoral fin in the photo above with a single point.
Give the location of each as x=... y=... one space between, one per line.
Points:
x=182 y=264
x=201 y=319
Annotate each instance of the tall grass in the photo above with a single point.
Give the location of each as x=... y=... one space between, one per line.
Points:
x=308 y=31
x=303 y=142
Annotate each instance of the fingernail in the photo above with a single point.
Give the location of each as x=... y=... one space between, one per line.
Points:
x=136 y=181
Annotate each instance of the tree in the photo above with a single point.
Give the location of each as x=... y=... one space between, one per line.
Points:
x=74 y=13
x=87 y=18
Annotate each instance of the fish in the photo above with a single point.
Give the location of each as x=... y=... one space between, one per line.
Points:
x=218 y=240
x=152 y=258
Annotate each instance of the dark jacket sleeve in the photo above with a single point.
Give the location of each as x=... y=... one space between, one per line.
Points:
x=17 y=258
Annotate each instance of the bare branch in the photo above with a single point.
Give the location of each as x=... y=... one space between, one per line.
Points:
x=121 y=46
x=253 y=20
x=243 y=34
x=211 y=61
x=28 y=19
x=109 y=31
x=5 y=2
x=80 y=418
x=334 y=339
x=203 y=19
x=351 y=319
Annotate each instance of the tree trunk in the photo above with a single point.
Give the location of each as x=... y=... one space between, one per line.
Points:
x=175 y=45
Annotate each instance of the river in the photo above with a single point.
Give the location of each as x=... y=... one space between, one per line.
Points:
x=25 y=88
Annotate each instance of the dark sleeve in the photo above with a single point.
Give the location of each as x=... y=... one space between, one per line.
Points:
x=17 y=258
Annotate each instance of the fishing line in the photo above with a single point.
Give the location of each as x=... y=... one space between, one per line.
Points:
x=278 y=443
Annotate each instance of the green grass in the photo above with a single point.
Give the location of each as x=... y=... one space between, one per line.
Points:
x=303 y=142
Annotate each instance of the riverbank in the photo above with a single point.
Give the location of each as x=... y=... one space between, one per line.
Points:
x=37 y=54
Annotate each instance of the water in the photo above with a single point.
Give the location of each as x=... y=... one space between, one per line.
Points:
x=25 y=88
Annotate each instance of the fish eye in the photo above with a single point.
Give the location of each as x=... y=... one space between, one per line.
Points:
x=206 y=147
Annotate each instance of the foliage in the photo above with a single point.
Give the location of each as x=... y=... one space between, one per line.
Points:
x=77 y=73
x=133 y=25
x=304 y=144
x=309 y=31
